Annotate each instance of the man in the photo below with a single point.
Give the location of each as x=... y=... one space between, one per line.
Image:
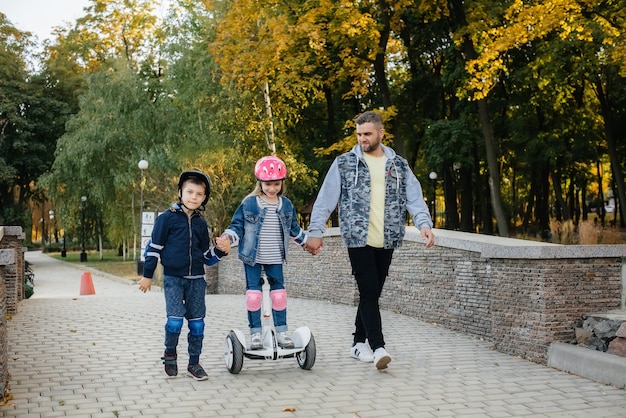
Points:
x=372 y=188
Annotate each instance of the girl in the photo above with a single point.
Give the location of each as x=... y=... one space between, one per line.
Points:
x=262 y=227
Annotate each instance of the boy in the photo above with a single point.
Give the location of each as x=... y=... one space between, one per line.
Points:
x=180 y=241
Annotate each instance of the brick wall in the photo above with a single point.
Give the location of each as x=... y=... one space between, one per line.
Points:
x=11 y=292
x=4 y=365
x=520 y=295
x=14 y=273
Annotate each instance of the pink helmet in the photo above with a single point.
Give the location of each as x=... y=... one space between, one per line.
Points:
x=270 y=168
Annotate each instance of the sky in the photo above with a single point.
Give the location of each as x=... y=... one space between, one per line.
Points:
x=40 y=16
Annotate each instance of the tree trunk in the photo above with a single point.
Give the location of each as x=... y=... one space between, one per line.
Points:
x=449 y=195
x=600 y=211
x=563 y=213
x=485 y=206
x=467 y=200
x=458 y=11
x=494 y=172
x=330 y=109
x=609 y=130
x=543 y=198
x=380 y=73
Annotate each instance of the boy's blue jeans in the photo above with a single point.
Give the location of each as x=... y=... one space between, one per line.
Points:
x=274 y=273
x=185 y=298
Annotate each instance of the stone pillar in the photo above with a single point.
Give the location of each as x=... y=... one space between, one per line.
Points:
x=11 y=292
x=14 y=272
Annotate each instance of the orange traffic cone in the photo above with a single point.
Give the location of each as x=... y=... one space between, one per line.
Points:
x=86 y=284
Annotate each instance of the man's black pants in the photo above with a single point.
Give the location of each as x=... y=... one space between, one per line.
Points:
x=370 y=267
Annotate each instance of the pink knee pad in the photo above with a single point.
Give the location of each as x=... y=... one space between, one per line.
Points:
x=279 y=299
x=253 y=300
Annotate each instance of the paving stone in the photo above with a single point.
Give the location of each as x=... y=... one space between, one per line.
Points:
x=99 y=356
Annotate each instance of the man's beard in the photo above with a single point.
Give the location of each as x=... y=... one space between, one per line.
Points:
x=370 y=147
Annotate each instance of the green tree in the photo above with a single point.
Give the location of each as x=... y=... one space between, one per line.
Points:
x=593 y=30
x=31 y=118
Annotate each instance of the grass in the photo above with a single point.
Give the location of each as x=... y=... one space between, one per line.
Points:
x=111 y=263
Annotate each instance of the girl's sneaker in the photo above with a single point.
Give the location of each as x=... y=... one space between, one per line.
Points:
x=283 y=340
x=362 y=351
x=171 y=367
x=255 y=341
x=197 y=372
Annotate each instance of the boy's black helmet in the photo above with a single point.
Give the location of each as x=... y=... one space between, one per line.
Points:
x=198 y=175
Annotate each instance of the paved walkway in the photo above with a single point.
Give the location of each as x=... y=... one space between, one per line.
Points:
x=99 y=356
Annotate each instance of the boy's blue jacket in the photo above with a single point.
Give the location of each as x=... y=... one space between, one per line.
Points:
x=181 y=244
x=246 y=223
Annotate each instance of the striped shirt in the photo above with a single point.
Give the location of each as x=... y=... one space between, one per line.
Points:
x=270 y=249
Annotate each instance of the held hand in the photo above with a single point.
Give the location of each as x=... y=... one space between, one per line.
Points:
x=145 y=284
x=429 y=236
x=223 y=243
x=311 y=250
x=314 y=245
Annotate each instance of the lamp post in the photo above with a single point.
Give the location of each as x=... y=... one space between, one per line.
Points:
x=43 y=231
x=433 y=177
x=64 y=250
x=51 y=215
x=143 y=166
x=83 y=254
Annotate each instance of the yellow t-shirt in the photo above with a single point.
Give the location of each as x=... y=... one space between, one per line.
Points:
x=375 y=235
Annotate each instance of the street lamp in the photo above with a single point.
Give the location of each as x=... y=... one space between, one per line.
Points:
x=51 y=215
x=83 y=254
x=143 y=166
x=433 y=177
x=43 y=231
x=64 y=250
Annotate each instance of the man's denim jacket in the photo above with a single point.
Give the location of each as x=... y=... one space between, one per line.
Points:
x=246 y=223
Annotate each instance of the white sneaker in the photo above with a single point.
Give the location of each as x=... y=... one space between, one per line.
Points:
x=256 y=343
x=381 y=358
x=283 y=340
x=362 y=351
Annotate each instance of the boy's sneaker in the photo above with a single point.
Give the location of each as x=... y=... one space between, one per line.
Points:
x=381 y=358
x=171 y=367
x=197 y=372
x=362 y=351
x=255 y=341
x=283 y=340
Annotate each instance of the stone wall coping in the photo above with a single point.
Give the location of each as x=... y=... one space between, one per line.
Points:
x=15 y=231
x=489 y=246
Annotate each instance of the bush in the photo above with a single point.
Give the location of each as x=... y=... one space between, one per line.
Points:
x=28 y=290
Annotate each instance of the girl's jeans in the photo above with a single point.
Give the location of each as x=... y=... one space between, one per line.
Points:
x=185 y=298
x=274 y=273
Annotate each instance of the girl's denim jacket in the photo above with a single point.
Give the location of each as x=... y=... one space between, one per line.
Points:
x=245 y=227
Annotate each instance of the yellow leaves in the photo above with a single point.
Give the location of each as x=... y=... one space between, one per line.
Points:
x=433 y=10
x=7 y=400
x=522 y=24
x=483 y=78
x=317 y=43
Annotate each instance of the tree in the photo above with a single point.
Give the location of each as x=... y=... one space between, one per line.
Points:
x=110 y=29
x=31 y=118
x=117 y=125
x=596 y=31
